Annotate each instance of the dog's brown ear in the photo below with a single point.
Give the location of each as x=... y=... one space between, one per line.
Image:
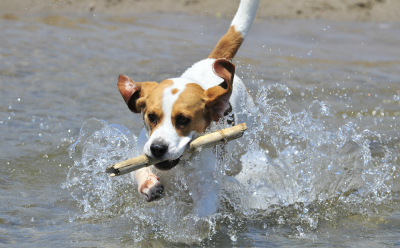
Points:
x=134 y=93
x=218 y=96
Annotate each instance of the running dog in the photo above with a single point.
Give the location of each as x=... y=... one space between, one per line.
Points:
x=177 y=110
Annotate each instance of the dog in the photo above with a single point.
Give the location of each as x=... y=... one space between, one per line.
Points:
x=177 y=110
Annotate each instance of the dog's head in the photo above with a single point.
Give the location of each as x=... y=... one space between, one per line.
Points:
x=176 y=110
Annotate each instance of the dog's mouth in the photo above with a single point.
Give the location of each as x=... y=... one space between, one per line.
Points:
x=167 y=165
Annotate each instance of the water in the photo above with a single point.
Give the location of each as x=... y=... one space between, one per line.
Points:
x=321 y=162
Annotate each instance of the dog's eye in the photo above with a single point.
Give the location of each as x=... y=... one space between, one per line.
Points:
x=152 y=118
x=183 y=120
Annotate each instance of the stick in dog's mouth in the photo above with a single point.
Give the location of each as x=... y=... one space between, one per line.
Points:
x=205 y=141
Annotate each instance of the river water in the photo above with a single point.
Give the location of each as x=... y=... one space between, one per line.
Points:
x=322 y=156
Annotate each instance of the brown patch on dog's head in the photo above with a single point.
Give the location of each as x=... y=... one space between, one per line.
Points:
x=189 y=112
x=153 y=112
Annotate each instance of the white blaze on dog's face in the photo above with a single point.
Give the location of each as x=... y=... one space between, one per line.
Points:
x=176 y=110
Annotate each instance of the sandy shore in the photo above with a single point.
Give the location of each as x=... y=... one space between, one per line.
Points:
x=347 y=10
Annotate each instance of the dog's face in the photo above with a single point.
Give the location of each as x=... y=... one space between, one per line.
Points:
x=176 y=110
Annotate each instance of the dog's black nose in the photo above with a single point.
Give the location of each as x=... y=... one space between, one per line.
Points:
x=158 y=150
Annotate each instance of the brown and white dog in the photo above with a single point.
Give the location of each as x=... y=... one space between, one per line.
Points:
x=177 y=110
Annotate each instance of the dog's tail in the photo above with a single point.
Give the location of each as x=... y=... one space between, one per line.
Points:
x=229 y=44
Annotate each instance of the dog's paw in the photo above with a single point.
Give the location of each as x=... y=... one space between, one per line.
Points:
x=151 y=189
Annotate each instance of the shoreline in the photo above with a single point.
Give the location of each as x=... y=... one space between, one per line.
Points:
x=335 y=10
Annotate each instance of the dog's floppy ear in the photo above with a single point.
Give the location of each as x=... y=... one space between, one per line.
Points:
x=134 y=93
x=218 y=96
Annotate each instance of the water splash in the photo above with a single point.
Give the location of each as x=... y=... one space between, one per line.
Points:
x=298 y=170
x=99 y=145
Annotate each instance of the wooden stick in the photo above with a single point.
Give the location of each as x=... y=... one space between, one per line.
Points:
x=208 y=140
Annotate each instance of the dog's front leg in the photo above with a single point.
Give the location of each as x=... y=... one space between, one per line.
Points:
x=149 y=184
x=203 y=184
x=206 y=199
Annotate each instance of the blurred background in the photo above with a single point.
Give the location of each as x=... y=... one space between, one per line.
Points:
x=339 y=10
